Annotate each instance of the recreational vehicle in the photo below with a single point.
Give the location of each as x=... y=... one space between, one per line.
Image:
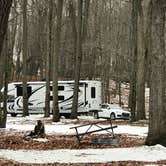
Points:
x=89 y=97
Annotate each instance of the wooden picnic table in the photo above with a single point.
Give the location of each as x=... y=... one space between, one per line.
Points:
x=88 y=126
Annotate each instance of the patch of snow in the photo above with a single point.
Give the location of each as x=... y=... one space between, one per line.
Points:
x=40 y=139
x=132 y=130
x=64 y=129
x=143 y=153
x=26 y=124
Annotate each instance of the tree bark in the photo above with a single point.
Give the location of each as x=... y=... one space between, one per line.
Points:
x=4 y=15
x=78 y=62
x=157 y=113
x=25 y=51
x=74 y=29
x=141 y=66
x=134 y=24
x=5 y=54
x=48 y=61
x=148 y=42
x=56 y=115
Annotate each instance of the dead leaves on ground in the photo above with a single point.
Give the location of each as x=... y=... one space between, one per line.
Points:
x=66 y=142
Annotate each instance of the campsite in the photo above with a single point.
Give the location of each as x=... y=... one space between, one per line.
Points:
x=60 y=146
x=82 y=82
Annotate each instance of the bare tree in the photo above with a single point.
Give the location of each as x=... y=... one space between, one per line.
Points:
x=5 y=54
x=157 y=114
x=134 y=31
x=4 y=15
x=78 y=61
x=25 y=51
x=141 y=66
x=48 y=61
x=56 y=115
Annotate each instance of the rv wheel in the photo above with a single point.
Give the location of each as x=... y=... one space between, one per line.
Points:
x=67 y=116
x=96 y=116
x=13 y=114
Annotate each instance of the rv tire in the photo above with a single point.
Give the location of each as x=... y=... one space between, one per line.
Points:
x=67 y=116
x=13 y=114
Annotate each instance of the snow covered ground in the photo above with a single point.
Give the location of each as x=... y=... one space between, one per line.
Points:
x=63 y=127
x=143 y=153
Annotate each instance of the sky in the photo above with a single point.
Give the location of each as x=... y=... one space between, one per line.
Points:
x=23 y=124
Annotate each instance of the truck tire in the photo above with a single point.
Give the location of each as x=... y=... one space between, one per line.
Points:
x=112 y=116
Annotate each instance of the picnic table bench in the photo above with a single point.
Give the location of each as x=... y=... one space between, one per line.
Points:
x=88 y=126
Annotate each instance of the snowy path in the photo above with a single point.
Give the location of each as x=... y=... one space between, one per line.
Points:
x=144 y=153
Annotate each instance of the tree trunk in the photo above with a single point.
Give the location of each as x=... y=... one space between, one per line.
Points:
x=141 y=67
x=74 y=29
x=25 y=95
x=133 y=44
x=56 y=115
x=5 y=54
x=48 y=61
x=119 y=93
x=86 y=16
x=157 y=113
x=4 y=15
x=148 y=42
x=78 y=62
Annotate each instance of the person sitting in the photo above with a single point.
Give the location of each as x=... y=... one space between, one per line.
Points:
x=39 y=131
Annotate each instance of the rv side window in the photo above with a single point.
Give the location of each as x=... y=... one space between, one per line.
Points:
x=60 y=98
x=29 y=91
x=60 y=88
x=20 y=91
x=51 y=98
x=93 y=92
x=51 y=89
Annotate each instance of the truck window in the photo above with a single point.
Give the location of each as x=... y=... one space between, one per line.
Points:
x=93 y=92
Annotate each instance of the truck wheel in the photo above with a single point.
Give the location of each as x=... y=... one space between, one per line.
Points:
x=13 y=114
x=96 y=116
x=112 y=116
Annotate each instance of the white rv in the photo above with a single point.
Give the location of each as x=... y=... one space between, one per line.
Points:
x=89 y=97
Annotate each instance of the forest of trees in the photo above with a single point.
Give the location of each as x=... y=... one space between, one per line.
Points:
x=120 y=40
